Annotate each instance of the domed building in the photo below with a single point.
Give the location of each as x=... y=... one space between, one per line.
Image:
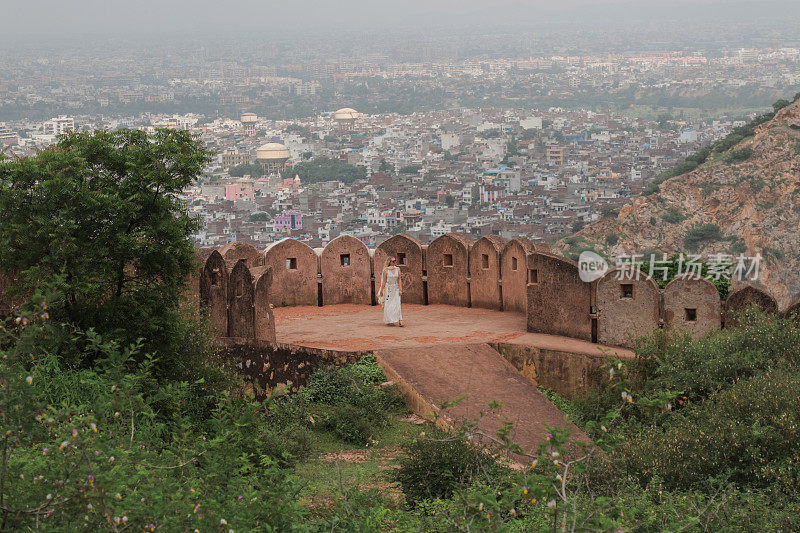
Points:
x=249 y=122
x=346 y=117
x=272 y=156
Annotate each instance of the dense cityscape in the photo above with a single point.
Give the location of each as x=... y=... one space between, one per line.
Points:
x=532 y=145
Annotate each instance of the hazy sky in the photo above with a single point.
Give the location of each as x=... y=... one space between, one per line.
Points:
x=33 y=18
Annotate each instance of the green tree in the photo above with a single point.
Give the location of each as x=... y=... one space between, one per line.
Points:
x=411 y=169
x=97 y=222
x=322 y=169
x=251 y=169
x=385 y=166
x=261 y=216
x=400 y=228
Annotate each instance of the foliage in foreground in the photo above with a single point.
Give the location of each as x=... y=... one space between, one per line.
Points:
x=96 y=447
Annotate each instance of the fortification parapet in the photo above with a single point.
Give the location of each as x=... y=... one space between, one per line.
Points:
x=484 y=270
x=447 y=267
x=692 y=304
x=743 y=298
x=408 y=252
x=628 y=306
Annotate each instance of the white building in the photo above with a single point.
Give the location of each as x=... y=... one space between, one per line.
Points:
x=531 y=123
x=59 y=125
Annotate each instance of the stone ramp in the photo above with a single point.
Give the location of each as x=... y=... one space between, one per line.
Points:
x=435 y=374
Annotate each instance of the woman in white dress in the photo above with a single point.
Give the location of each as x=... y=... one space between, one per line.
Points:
x=392 y=289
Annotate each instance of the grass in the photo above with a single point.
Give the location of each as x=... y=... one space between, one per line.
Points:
x=338 y=466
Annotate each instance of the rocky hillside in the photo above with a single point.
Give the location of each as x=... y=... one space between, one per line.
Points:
x=743 y=198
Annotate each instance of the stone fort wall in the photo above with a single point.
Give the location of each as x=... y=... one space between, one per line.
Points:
x=239 y=286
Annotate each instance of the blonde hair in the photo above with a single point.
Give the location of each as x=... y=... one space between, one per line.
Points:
x=389 y=262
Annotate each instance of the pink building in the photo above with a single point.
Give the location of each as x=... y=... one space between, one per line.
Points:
x=292 y=183
x=237 y=191
x=289 y=220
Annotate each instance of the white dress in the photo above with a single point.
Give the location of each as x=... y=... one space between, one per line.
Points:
x=391 y=294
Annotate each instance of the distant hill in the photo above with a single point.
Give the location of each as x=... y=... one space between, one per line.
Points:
x=740 y=196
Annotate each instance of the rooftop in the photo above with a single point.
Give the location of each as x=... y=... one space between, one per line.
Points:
x=349 y=327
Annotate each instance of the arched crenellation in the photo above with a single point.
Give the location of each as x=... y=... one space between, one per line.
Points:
x=233 y=252
x=691 y=304
x=447 y=267
x=241 y=300
x=743 y=298
x=295 y=267
x=559 y=302
x=628 y=306
x=408 y=252
x=514 y=274
x=214 y=292
x=346 y=268
x=484 y=272
x=263 y=317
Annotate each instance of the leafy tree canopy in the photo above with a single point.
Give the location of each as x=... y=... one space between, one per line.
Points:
x=96 y=221
x=251 y=169
x=322 y=169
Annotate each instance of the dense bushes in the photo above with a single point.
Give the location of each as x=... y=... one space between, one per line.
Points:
x=435 y=466
x=746 y=434
x=703 y=366
x=322 y=169
x=94 y=446
x=350 y=403
x=700 y=234
x=737 y=156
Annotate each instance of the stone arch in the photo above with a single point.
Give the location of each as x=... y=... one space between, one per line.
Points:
x=263 y=317
x=626 y=308
x=447 y=265
x=346 y=268
x=558 y=300
x=793 y=311
x=411 y=250
x=692 y=304
x=294 y=271
x=484 y=269
x=241 y=298
x=742 y=298
x=214 y=292
x=235 y=251
x=514 y=274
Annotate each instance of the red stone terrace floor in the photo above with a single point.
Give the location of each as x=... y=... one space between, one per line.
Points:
x=349 y=327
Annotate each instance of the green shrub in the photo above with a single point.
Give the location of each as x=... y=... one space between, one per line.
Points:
x=352 y=424
x=612 y=239
x=609 y=211
x=700 y=234
x=738 y=247
x=287 y=446
x=699 y=367
x=673 y=215
x=104 y=454
x=436 y=466
x=348 y=402
x=747 y=433
x=738 y=156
